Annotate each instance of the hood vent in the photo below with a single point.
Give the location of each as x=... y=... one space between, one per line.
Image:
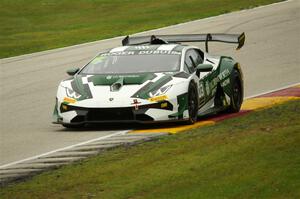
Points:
x=127 y=79
x=117 y=85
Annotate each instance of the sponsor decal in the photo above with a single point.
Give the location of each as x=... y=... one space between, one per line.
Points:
x=136 y=104
x=158 y=98
x=142 y=47
x=201 y=90
x=164 y=52
x=223 y=74
x=207 y=88
x=225 y=82
x=214 y=82
x=69 y=100
x=118 y=53
x=210 y=87
x=142 y=52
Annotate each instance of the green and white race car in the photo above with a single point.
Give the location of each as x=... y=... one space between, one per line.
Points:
x=152 y=79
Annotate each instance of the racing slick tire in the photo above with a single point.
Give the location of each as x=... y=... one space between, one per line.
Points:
x=73 y=126
x=192 y=103
x=236 y=98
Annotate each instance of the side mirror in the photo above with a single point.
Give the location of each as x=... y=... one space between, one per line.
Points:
x=72 y=71
x=204 y=67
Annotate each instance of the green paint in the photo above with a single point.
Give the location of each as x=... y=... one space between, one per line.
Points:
x=78 y=83
x=144 y=92
x=182 y=101
x=80 y=88
x=102 y=80
x=227 y=63
x=55 y=116
x=120 y=81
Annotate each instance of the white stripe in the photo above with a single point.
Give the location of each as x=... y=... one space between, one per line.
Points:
x=158 y=76
x=65 y=148
x=167 y=47
x=119 y=49
x=142 y=47
x=85 y=79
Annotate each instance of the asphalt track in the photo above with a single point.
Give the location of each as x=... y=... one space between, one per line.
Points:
x=270 y=60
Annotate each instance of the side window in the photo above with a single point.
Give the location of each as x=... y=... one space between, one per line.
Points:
x=193 y=57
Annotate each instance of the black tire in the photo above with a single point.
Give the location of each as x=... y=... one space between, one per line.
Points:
x=237 y=94
x=192 y=103
x=73 y=126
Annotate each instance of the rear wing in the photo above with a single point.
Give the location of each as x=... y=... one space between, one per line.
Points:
x=164 y=39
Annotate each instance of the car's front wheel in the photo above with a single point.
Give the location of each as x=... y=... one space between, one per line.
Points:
x=192 y=103
x=73 y=126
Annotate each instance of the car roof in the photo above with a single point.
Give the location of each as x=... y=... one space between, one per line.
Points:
x=153 y=47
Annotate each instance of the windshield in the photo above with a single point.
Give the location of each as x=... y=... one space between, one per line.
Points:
x=127 y=62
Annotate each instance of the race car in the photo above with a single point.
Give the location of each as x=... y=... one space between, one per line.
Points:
x=152 y=78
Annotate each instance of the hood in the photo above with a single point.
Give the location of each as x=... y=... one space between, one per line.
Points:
x=143 y=86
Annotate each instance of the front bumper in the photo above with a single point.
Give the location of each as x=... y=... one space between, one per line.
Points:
x=69 y=114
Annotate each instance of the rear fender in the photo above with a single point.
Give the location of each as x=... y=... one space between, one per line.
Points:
x=226 y=68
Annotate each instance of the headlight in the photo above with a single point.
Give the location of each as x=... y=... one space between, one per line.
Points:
x=72 y=94
x=160 y=91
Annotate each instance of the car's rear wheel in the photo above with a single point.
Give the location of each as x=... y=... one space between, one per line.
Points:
x=236 y=98
x=192 y=103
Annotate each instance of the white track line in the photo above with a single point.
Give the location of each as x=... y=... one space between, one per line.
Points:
x=271 y=91
x=65 y=148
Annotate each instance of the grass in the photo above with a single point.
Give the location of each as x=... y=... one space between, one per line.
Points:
x=253 y=156
x=28 y=26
